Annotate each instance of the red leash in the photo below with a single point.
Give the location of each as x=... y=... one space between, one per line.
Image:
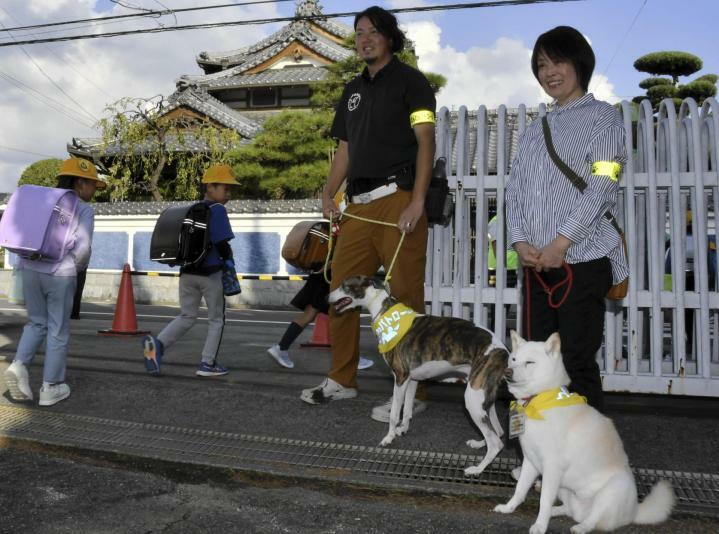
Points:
x=550 y=291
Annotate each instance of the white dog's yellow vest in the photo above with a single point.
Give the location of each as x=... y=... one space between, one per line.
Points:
x=392 y=325
x=554 y=398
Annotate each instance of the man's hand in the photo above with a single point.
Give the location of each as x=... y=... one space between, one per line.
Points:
x=329 y=208
x=552 y=256
x=410 y=216
x=528 y=255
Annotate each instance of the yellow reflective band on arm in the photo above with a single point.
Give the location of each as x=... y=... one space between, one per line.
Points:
x=610 y=169
x=420 y=117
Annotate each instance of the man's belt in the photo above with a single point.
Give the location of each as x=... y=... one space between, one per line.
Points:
x=374 y=194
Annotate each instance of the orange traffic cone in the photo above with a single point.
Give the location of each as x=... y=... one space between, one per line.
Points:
x=320 y=333
x=125 y=320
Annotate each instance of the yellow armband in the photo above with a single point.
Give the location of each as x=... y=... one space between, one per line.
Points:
x=610 y=169
x=420 y=117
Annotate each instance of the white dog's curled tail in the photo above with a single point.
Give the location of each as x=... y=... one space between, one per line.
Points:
x=656 y=506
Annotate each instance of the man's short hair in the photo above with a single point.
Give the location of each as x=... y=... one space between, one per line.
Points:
x=564 y=43
x=386 y=24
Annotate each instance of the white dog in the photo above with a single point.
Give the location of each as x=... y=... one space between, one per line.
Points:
x=575 y=449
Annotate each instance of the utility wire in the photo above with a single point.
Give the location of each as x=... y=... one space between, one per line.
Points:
x=619 y=46
x=444 y=7
x=57 y=106
x=147 y=14
x=3 y=147
x=53 y=82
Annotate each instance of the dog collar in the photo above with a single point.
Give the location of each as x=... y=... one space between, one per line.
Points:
x=554 y=398
x=392 y=325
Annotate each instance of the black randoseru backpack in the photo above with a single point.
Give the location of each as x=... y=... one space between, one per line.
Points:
x=181 y=235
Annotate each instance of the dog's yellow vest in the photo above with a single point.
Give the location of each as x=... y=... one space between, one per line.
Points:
x=392 y=325
x=553 y=398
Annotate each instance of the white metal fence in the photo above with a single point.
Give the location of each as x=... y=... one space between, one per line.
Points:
x=663 y=337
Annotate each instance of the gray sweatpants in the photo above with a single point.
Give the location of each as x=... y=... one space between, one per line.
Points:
x=48 y=301
x=192 y=289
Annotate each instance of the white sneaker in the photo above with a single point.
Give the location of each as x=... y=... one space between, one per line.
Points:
x=18 y=382
x=280 y=356
x=53 y=394
x=381 y=413
x=327 y=391
x=364 y=363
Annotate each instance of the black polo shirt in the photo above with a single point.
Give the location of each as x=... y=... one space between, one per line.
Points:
x=373 y=116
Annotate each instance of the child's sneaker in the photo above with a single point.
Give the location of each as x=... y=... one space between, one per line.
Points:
x=211 y=369
x=53 y=393
x=381 y=413
x=17 y=382
x=152 y=350
x=364 y=363
x=326 y=391
x=280 y=356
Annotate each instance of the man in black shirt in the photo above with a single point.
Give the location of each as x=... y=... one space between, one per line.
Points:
x=385 y=127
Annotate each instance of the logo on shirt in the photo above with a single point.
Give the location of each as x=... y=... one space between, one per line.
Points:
x=354 y=101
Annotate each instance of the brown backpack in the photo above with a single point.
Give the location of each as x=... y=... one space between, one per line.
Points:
x=307 y=244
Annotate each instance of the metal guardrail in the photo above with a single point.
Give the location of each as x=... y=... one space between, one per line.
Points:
x=696 y=493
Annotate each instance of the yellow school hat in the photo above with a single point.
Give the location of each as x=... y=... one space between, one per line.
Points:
x=219 y=174
x=81 y=168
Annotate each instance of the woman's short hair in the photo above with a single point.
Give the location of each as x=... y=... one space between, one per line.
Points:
x=386 y=24
x=564 y=43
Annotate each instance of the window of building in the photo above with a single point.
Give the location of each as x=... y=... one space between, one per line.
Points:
x=234 y=98
x=295 y=96
x=265 y=97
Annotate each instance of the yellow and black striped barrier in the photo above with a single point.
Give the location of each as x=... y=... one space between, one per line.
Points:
x=264 y=277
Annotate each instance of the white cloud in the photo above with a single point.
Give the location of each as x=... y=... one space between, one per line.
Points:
x=96 y=72
x=500 y=74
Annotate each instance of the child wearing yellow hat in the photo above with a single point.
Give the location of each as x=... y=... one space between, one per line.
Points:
x=49 y=289
x=202 y=281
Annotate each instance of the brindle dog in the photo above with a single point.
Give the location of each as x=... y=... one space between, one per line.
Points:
x=435 y=347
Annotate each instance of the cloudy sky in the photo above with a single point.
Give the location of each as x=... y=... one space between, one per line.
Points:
x=56 y=91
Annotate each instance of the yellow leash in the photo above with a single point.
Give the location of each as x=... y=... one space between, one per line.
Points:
x=388 y=274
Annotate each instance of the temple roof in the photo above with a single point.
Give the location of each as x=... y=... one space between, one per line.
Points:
x=301 y=74
x=191 y=98
x=202 y=102
x=304 y=31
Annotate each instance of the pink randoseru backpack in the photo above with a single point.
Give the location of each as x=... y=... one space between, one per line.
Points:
x=37 y=223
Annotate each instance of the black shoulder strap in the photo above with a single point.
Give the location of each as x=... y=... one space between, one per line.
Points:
x=577 y=181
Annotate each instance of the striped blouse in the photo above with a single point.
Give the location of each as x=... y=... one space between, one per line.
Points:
x=542 y=202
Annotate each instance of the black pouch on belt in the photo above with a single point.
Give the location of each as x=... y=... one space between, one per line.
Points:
x=438 y=203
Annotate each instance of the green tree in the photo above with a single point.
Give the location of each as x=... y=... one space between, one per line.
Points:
x=327 y=93
x=290 y=158
x=148 y=154
x=42 y=172
x=673 y=64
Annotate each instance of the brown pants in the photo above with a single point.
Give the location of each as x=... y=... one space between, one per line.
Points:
x=361 y=249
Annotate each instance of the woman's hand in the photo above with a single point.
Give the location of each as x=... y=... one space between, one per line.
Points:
x=528 y=255
x=552 y=256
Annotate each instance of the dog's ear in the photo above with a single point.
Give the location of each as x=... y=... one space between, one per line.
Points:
x=377 y=283
x=517 y=340
x=553 y=345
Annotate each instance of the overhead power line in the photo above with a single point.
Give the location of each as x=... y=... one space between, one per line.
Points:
x=443 y=7
x=147 y=13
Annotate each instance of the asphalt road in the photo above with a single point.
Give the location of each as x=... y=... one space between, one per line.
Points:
x=52 y=490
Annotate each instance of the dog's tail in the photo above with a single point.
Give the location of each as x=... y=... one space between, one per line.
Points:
x=490 y=375
x=656 y=506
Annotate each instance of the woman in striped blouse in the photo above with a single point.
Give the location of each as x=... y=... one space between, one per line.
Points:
x=566 y=244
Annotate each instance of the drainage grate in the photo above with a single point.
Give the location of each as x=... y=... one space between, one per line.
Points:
x=696 y=493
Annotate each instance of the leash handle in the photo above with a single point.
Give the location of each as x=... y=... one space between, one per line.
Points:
x=550 y=291
x=388 y=273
